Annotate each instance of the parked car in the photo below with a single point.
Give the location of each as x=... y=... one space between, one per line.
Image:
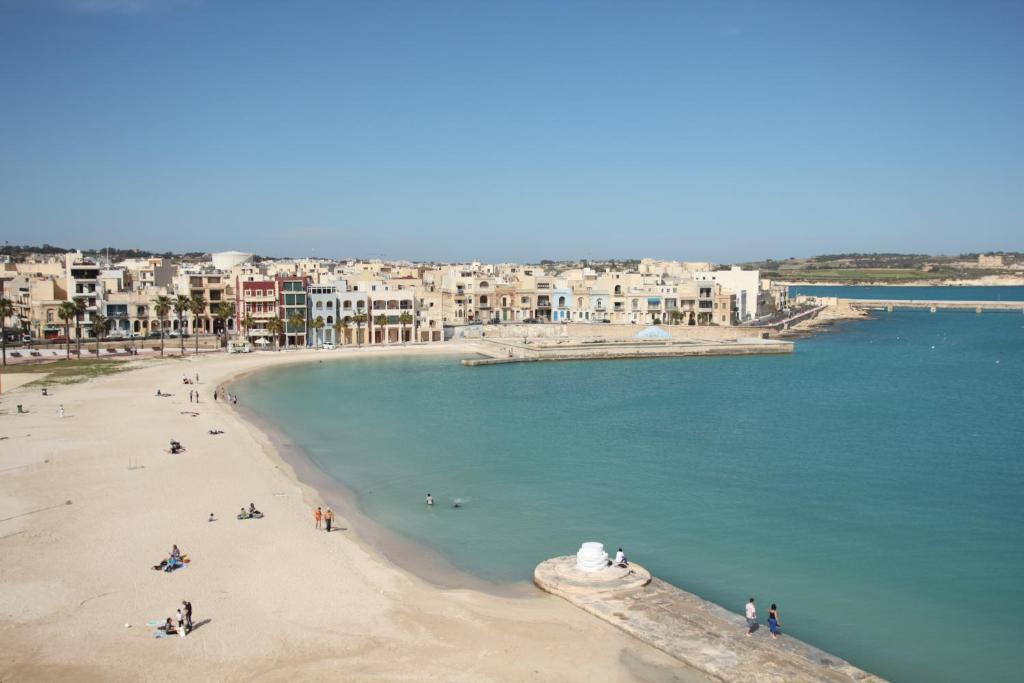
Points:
x=153 y=335
x=329 y=346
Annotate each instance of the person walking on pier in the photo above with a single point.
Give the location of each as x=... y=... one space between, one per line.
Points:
x=751 y=618
x=773 y=621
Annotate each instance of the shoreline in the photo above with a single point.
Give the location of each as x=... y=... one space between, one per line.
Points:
x=390 y=546
x=275 y=599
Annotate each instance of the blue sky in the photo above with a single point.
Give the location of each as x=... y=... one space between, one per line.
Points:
x=723 y=130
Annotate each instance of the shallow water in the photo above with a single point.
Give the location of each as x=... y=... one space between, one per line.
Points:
x=870 y=483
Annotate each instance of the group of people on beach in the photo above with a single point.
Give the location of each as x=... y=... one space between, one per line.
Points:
x=325 y=516
x=773 y=619
x=183 y=617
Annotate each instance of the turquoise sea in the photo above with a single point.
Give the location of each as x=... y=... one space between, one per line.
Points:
x=870 y=484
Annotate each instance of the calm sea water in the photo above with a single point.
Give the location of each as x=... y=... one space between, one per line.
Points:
x=870 y=484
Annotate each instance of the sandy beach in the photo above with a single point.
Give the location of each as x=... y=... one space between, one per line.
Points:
x=274 y=599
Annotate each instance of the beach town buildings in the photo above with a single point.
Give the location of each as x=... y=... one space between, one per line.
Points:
x=318 y=301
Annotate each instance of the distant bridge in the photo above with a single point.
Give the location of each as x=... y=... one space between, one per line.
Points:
x=933 y=306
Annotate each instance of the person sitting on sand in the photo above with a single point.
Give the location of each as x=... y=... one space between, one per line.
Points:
x=253 y=511
x=175 y=553
x=176 y=446
x=212 y=518
x=158 y=393
x=620 y=559
x=167 y=627
x=243 y=514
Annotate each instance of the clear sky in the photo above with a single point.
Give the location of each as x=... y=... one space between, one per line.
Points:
x=514 y=130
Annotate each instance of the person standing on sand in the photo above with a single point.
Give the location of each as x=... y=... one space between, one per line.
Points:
x=751 y=618
x=773 y=621
x=60 y=410
x=328 y=518
x=181 y=623
x=214 y=395
x=317 y=515
x=188 y=614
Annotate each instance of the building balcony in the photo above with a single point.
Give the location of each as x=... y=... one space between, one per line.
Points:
x=259 y=297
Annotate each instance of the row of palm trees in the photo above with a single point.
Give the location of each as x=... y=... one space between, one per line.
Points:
x=276 y=326
x=73 y=310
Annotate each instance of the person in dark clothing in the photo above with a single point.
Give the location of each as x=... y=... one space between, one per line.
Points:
x=328 y=518
x=188 y=615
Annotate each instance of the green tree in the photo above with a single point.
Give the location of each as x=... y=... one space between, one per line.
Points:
x=317 y=324
x=296 y=319
x=197 y=305
x=275 y=327
x=182 y=304
x=224 y=311
x=676 y=317
x=6 y=311
x=100 y=328
x=162 y=308
x=247 y=324
x=381 y=321
x=80 y=309
x=359 y=319
x=404 y=319
x=341 y=327
x=66 y=311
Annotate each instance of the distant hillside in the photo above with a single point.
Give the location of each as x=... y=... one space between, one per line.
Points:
x=885 y=267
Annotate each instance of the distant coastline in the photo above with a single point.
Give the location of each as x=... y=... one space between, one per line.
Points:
x=987 y=281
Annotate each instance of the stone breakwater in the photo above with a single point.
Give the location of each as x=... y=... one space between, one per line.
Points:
x=695 y=631
x=508 y=351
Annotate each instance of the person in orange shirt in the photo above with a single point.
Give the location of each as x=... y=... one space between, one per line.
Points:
x=318 y=515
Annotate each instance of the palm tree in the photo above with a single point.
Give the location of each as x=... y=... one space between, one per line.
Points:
x=247 y=324
x=100 y=328
x=182 y=304
x=317 y=324
x=197 y=305
x=275 y=327
x=223 y=311
x=341 y=327
x=675 y=316
x=66 y=311
x=382 y=321
x=297 y=319
x=404 y=319
x=162 y=306
x=6 y=311
x=79 y=312
x=359 y=319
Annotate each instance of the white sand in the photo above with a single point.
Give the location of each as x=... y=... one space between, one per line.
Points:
x=275 y=600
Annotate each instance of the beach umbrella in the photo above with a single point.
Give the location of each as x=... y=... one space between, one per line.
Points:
x=262 y=341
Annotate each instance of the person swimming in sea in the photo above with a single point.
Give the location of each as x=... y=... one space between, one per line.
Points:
x=430 y=500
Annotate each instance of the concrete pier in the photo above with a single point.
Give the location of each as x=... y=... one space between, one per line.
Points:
x=695 y=631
